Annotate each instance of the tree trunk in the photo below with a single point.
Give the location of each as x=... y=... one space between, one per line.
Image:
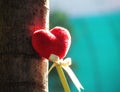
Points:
x=21 y=69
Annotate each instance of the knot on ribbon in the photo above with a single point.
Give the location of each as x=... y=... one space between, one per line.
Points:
x=59 y=64
x=64 y=63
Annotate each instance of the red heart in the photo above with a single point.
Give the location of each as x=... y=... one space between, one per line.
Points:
x=56 y=41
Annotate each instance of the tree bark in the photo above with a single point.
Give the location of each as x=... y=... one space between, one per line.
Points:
x=21 y=69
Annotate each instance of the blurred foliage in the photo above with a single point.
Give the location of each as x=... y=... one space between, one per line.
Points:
x=58 y=18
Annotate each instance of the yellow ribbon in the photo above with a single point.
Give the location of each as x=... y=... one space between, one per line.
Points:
x=59 y=64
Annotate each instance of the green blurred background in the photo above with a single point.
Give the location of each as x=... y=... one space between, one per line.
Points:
x=95 y=49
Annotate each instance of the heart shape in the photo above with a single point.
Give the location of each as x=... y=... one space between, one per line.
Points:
x=56 y=41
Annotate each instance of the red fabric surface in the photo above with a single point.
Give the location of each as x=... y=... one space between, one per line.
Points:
x=56 y=41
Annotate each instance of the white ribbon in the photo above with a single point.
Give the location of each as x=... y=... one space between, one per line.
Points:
x=65 y=65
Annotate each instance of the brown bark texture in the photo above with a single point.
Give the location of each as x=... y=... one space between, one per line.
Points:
x=21 y=69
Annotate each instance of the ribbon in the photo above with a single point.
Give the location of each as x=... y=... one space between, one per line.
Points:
x=59 y=64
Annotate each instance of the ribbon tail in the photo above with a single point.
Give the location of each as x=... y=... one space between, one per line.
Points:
x=53 y=65
x=63 y=79
x=73 y=78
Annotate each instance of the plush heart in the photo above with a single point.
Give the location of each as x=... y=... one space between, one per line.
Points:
x=56 y=41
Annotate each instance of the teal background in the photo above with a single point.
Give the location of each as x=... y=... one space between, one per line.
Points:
x=95 y=53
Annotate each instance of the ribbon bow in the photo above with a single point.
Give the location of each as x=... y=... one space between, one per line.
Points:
x=59 y=64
